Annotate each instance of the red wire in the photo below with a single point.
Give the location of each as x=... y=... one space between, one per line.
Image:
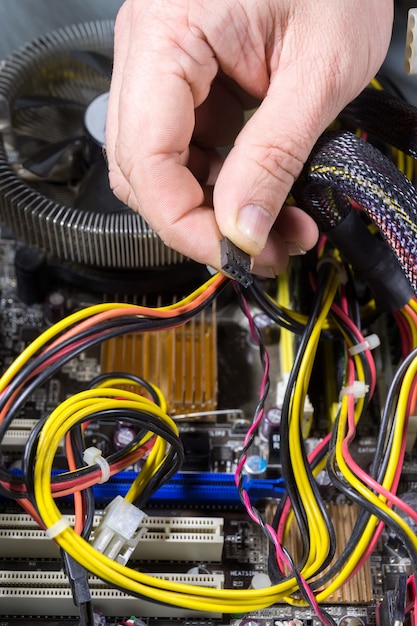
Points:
x=360 y=339
x=140 y=311
x=78 y=497
x=405 y=333
x=391 y=496
x=60 y=490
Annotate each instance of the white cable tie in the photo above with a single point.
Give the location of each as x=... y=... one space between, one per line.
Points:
x=330 y=260
x=93 y=456
x=410 y=53
x=358 y=389
x=371 y=342
x=57 y=528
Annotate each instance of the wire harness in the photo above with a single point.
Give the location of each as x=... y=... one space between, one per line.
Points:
x=344 y=167
x=345 y=180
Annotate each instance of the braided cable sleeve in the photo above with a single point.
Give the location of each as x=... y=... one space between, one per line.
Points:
x=385 y=116
x=343 y=167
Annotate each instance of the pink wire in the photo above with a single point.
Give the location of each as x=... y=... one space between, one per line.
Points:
x=280 y=554
x=391 y=496
x=360 y=339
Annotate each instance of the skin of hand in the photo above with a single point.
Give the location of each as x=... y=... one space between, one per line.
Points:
x=185 y=71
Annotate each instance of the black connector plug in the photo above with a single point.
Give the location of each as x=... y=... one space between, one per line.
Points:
x=78 y=580
x=235 y=262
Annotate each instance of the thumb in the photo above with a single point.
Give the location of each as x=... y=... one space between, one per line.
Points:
x=260 y=170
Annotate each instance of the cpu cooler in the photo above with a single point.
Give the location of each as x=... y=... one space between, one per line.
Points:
x=54 y=190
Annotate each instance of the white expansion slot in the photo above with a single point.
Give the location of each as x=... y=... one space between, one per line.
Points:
x=48 y=593
x=17 y=435
x=167 y=538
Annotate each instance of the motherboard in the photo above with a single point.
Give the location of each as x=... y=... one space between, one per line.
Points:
x=186 y=447
x=196 y=529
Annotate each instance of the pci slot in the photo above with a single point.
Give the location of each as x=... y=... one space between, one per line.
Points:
x=167 y=538
x=16 y=436
x=48 y=593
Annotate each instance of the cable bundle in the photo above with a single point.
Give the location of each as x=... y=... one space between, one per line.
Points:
x=344 y=167
x=343 y=170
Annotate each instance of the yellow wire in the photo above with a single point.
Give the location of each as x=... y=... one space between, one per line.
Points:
x=411 y=325
x=114 y=382
x=286 y=339
x=158 y=453
x=67 y=415
x=320 y=540
x=316 y=535
x=319 y=544
x=50 y=333
x=152 y=464
x=377 y=501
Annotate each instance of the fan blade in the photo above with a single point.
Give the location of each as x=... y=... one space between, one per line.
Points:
x=26 y=143
x=95 y=194
x=42 y=162
x=97 y=61
x=34 y=101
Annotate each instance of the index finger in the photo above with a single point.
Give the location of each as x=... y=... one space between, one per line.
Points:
x=150 y=123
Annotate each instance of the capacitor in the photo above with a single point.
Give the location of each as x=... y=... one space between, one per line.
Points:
x=197 y=570
x=30 y=269
x=269 y=330
x=255 y=465
x=351 y=621
x=55 y=306
x=123 y=436
x=271 y=422
x=250 y=621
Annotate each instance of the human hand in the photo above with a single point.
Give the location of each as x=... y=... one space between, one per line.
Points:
x=185 y=70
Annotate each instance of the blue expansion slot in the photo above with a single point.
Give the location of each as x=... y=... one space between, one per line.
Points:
x=196 y=488
x=193 y=488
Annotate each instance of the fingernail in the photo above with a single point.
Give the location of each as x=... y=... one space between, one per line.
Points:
x=294 y=249
x=254 y=222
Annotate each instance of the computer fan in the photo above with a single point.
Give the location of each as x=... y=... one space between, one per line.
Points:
x=54 y=190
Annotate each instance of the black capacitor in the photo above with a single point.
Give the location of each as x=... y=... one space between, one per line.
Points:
x=30 y=269
x=55 y=306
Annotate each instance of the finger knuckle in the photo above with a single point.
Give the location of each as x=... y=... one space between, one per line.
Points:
x=282 y=162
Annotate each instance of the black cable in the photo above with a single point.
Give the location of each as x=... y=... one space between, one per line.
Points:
x=128 y=376
x=287 y=470
x=384 y=116
x=273 y=310
x=101 y=332
x=161 y=476
x=377 y=471
x=380 y=460
x=342 y=167
x=354 y=312
x=78 y=580
x=147 y=421
x=354 y=496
